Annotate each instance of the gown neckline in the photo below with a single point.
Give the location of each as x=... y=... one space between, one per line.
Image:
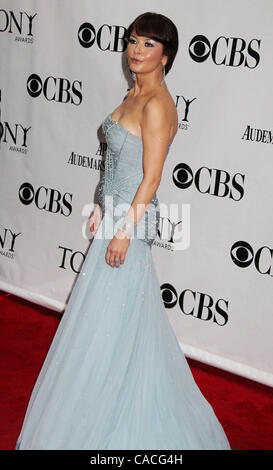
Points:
x=122 y=127
x=126 y=130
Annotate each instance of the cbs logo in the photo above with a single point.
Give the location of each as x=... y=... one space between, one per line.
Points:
x=243 y=255
x=107 y=38
x=210 y=181
x=48 y=199
x=197 y=304
x=60 y=90
x=232 y=52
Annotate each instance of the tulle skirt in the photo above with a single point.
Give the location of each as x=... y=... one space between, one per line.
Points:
x=115 y=376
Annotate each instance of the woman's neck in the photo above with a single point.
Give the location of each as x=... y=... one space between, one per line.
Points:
x=147 y=83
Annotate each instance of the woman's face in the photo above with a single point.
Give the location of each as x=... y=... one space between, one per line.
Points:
x=144 y=54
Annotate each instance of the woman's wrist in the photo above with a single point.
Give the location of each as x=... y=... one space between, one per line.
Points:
x=127 y=226
x=121 y=235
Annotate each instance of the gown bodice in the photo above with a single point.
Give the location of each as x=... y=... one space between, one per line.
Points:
x=123 y=175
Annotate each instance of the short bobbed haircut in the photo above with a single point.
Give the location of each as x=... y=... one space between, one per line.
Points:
x=161 y=29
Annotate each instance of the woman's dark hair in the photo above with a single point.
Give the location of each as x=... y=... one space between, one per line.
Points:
x=161 y=29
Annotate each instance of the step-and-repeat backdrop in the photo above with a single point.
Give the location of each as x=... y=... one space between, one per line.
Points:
x=63 y=69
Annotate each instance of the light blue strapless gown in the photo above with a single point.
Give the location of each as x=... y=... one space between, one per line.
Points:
x=115 y=376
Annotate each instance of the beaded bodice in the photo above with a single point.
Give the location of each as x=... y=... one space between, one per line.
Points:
x=124 y=173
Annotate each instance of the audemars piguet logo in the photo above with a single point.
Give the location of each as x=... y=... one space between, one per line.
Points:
x=252 y=134
x=86 y=161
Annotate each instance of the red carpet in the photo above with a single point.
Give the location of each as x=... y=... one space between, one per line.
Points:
x=244 y=408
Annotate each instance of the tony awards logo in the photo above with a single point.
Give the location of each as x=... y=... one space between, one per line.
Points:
x=183 y=108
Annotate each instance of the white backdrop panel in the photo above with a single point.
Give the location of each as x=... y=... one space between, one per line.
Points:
x=62 y=71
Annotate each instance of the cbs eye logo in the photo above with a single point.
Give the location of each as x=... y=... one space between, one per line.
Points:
x=34 y=85
x=213 y=181
x=196 y=304
x=199 y=48
x=26 y=194
x=232 y=52
x=87 y=35
x=169 y=295
x=182 y=176
x=243 y=255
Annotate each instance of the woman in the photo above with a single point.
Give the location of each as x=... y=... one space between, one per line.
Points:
x=115 y=376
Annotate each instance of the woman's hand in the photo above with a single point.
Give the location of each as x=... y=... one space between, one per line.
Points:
x=95 y=219
x=117 y=249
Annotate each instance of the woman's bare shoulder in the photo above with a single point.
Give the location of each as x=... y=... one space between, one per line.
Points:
x=162 y=108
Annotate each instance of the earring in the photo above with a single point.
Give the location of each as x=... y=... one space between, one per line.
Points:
x=133 y=76
x=163 y=75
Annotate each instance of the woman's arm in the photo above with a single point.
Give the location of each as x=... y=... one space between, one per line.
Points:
x=155 y=137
